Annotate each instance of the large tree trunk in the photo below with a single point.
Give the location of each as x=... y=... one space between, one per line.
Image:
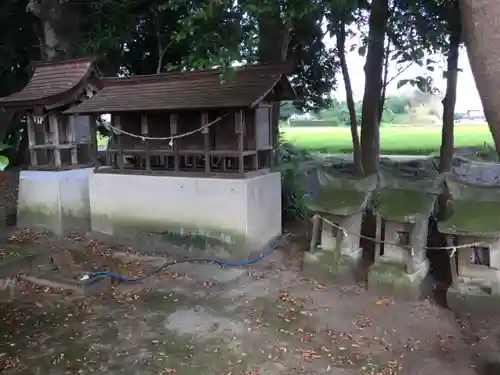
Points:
x=50 y=13
x=370 y=122
x=481 y=34
x=385 y=82
x=449 y=101
x=356 y=148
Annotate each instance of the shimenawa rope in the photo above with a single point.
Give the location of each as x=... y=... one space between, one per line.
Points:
x=170 y=138
x=452 y=248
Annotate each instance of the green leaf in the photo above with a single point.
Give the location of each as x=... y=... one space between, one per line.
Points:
x=402 y=82
x=4 y=162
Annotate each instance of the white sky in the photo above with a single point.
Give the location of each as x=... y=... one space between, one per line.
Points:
x=467 y=95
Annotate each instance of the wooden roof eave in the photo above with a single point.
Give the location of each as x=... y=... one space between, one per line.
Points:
x=290 y=93
x=52 y=100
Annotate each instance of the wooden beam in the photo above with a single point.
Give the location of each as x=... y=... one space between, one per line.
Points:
x=145 y=132
x=93 y=136
x=32 y=141
x=118 y=137
x=206 y=140
x=54 y=131
x=239 y=129
x=174 y=119
x=71 y=138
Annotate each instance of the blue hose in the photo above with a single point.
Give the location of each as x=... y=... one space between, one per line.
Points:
x=228 y=263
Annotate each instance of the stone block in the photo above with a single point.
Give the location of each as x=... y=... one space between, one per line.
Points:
x=54 y=201
x=391 y=278
x=242 y=212
x=472 y=299
x=328 y=266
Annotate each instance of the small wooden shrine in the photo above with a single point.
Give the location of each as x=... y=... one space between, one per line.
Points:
x=191 y=122
x=53 y=192
x=57 y=141
x=174 y=136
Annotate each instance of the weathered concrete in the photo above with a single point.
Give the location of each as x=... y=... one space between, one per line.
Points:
x=246 y=212
x=393 y=278
x=327 y=266
x=338 y=254
x=471 y=299
x=54 y=201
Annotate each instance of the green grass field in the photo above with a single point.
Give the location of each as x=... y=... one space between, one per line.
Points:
x=394 y=140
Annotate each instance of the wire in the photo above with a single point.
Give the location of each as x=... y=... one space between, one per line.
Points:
x=223 y=263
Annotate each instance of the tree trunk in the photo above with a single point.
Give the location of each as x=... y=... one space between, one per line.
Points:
x=481 y=34
x=50 y=13
x=356 y=148
x=446 y=152
x=370 y=122
x=385 y=80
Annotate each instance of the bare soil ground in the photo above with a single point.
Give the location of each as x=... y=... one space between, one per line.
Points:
x=204 y=319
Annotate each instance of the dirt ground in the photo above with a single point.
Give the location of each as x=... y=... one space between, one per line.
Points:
x=204 y=319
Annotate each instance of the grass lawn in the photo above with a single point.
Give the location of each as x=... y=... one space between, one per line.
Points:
x=394 y=140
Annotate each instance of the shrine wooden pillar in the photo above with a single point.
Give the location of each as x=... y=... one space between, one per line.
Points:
x=145 y=133
x=206 y=140
x=239 y=129
x=174 y=118
x=54 y=140
x=32 y=141
x=71 y=139
x=118 y=141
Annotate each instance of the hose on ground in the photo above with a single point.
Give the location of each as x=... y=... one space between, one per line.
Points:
x=223 y=263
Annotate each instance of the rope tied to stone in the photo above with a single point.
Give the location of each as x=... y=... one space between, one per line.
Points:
x=359 y=235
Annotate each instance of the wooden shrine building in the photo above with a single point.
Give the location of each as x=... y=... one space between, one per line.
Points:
x=53 y=192
x=57 y=141
x=174 y=136
x=191 y=122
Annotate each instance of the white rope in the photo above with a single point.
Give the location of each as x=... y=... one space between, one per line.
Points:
x=170 y=138
x=453 y=248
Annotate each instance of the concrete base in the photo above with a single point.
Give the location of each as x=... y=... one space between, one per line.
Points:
x=54 y=201
x=469 y=299
x=392 y=278
x=246 y=212
x=327 y=266
x=90 y=287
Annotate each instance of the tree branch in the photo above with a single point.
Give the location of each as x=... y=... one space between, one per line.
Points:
x=400 y=71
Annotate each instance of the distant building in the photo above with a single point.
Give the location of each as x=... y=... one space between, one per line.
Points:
x=476 y=115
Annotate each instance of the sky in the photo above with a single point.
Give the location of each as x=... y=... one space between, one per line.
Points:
x=467 y=95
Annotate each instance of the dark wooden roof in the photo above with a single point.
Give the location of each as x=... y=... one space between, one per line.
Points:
x=51 y=82
x=190 y=90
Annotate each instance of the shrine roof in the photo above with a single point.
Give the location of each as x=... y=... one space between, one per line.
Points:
x=243 y=87
x=51 y=82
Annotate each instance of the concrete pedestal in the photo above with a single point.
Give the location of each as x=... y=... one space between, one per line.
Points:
x=54 y=201
x=239 y=211
x=327 y=266
x=339 y=256
x=392 y=278
x=470 y=299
